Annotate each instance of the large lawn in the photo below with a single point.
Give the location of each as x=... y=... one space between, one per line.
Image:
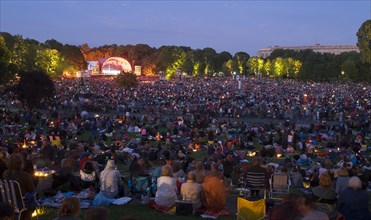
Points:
x=140 y=212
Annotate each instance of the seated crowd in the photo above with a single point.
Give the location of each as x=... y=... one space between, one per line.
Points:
x=86 y=152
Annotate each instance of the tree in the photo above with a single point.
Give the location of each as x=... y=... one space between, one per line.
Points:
x=73 y=56
x=255 y=65
x=18 y=53
x=278 y=66
x=267 y=68
x=221 y=59
x=33 y=87
x=48 y=61
x=126 y=80
x=5 y=75
x=241 y=58
x=209 y=57
x=54 y=44
x=364 y=42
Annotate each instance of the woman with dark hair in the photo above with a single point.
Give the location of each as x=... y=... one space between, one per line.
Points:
x=2 y=162
x=15 y=172
x=88 y=175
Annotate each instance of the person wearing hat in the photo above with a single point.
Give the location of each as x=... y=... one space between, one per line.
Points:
x=110 y=181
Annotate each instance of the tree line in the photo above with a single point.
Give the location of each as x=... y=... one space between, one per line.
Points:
x=54 y=58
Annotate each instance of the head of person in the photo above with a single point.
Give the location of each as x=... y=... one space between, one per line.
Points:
x=15 y=162
x=343 y=172
x=325 y=180
x=256 y=161
x=191 y=176
x=94 y=213
x=6 y=211
x=88 y=165
x=110 y=164
x=284 y=169
x=200 y=166
x=166 y=171
x=355 y=183
x=176 y=166
x=295 y=169
x=307 y=204
x=3 y=155
x=70 y=206
x=290 y=202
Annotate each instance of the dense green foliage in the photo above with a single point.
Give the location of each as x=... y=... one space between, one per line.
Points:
x=364 y=41
x=18 y=54
x=54 y=58
x=126 y=80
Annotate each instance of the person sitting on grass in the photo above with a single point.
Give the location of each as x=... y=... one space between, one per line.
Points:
x=191 y=190
x=96 y=213
x=15 y=172
x=215 y=197
x=353 y=201
x=110 y=181
x=70 y=209
x=6 y=211
x=167 y=191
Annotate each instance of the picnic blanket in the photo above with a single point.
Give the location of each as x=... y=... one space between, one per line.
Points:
x=214 y=214
x=204 y=212
x=166 y=210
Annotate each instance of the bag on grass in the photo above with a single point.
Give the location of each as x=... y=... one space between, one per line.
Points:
x=184 y=207
x=101 y=200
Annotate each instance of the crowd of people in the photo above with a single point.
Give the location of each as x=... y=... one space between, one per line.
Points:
x=315 y=132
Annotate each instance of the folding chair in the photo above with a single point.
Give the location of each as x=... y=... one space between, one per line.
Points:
x=10 y=192
x=256 y=181
x=241 y=186
x=279 y=185
x=250 y=210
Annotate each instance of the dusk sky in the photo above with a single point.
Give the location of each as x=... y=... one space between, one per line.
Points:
x=231 y=26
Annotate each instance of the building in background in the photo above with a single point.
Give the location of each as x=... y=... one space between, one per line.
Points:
x=333 y=49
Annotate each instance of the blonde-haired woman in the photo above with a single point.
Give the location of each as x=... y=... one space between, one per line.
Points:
x=70 y=209
x=167 y=191
x=325 y=196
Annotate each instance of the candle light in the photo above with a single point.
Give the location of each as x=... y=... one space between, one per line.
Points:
x=251 y=154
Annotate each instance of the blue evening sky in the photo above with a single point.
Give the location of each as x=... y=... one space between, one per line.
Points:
x=231 y=26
